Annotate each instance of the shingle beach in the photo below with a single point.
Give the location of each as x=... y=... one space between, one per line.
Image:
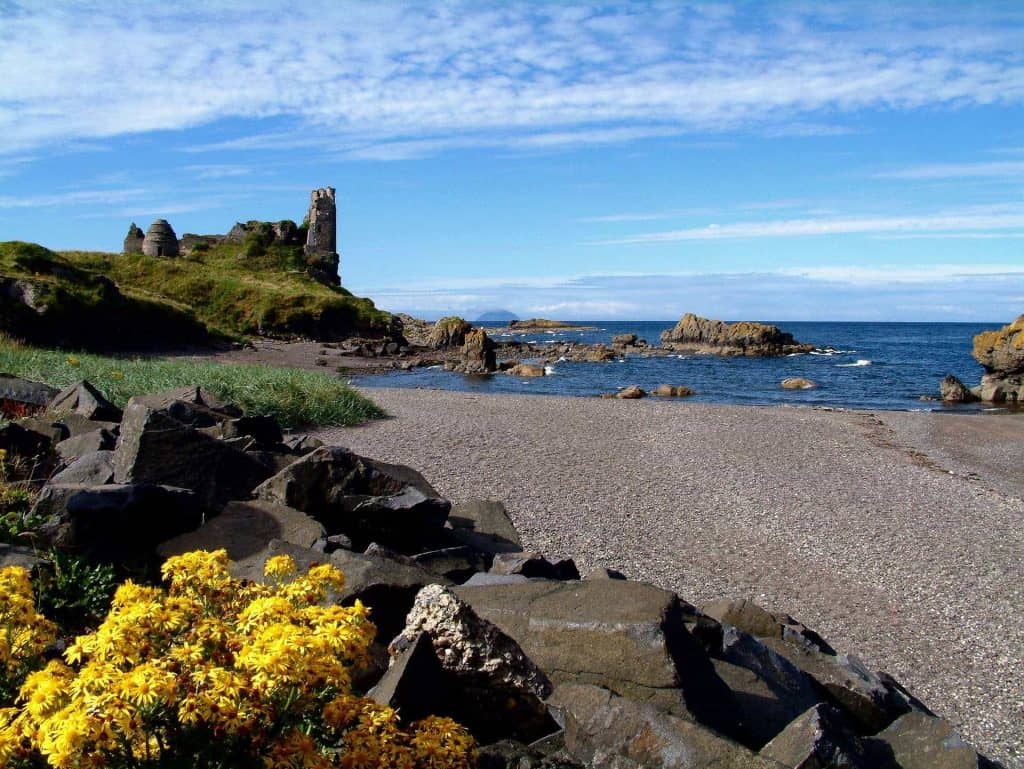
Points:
x=896 y=535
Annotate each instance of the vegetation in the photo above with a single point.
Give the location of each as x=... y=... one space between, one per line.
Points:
x=210 y=673
x=66 y=304
x=256 y=287
x=292 y=396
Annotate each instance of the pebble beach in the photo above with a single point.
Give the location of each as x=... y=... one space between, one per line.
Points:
x=896 y=535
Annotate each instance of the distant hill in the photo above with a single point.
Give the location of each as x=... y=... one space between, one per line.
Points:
x=496 y=316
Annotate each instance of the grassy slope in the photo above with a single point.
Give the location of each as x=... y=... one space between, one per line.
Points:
x=233 y=290
x=296 y=398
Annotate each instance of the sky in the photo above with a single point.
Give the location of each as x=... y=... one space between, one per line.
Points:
x=768 y=161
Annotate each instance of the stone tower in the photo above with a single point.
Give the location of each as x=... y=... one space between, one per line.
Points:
x=322 y=238
x=160 y=240
x=133 y=240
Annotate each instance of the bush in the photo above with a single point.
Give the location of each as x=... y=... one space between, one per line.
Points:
x=214 y=673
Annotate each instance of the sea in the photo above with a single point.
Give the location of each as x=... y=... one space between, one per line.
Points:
x=856 y=366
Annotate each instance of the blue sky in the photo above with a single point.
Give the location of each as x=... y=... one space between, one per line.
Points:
x=786 y=161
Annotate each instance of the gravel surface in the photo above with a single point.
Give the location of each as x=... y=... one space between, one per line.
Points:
x=850 y=521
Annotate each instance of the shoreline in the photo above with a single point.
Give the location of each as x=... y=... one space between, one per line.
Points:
x=897 y=535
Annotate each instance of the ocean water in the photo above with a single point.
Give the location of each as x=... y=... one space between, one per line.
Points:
x=858 y=365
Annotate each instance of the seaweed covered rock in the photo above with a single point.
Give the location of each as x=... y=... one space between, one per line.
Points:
x=477 y=355
x=448 y=333
x=1001 y=352
x=695 y=334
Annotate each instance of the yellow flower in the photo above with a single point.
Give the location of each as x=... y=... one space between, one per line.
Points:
x=279 y=566
x=73 y=361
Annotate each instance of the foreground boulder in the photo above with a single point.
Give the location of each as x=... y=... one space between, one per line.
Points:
x=362 y=498
x=387 y=585
x=245 y=528
x=606 y=731
x=20 y=397
x=485 y=526
x=625 y=636
x=526 y=370
x=871 y=700
x=120 y=524
x=1002 y=354
x=156 y=448
x=921 y=741
x=85 y=400
x=499 y=691
x=695 y=334
x=819 y=739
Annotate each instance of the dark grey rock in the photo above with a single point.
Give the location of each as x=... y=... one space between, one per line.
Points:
x=819 y=739
x=606 y=731
x=303 y=444
x=15 y=555
x=363 y=498
x=625 y=636
x=25 y=392
x=600 y=572
x=76 y=424
x=757 y=621
x=500 y=691
x=91 y=469
x=860 y=692
x=387 y=586
x=78 y=446
x=53 y=432
x=85 y=400
x=770 y=690
x=456 y=563
x=158 y=449
x=115 y=523
x=245 y=528
x=510 y=754
x=484 y=525
x=920 y=741
x=487 y=579
x=534 y=565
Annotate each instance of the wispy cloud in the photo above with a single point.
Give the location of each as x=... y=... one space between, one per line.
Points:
x=71 y=198
x=980 y=170
x=218 y=170
x=538 y=75
x=945 y=222
x=840 y=292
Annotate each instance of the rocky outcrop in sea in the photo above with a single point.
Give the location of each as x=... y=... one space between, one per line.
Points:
x=702 y=335
x=546 y=669
x=1002 y=354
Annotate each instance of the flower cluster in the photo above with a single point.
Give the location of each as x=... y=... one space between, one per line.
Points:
x=24 y=633
x=214 y=672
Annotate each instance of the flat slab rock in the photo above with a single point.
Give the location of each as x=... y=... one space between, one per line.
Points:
x=245 y=529
x=625 y=636
x=606 y=731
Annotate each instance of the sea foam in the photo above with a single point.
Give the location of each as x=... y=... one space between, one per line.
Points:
x=859 y=363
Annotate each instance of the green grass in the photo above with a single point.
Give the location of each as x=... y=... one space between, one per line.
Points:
x=232 y=289
x=236 y=289
x=294 y=397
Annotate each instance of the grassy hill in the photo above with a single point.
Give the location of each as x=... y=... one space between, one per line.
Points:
x=227 y=289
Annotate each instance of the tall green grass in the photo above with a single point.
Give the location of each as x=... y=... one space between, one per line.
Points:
x=294 y=397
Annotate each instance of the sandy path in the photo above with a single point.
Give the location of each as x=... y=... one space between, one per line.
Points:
x=853 y=525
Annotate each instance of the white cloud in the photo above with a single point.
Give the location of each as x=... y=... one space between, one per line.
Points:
x=528 y=74
x=984 y=170
x=73 y=197
x=945 y=222
x=840 y=292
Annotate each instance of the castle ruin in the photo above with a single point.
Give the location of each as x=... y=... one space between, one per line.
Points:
x=322 y=237
x=320 y=248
